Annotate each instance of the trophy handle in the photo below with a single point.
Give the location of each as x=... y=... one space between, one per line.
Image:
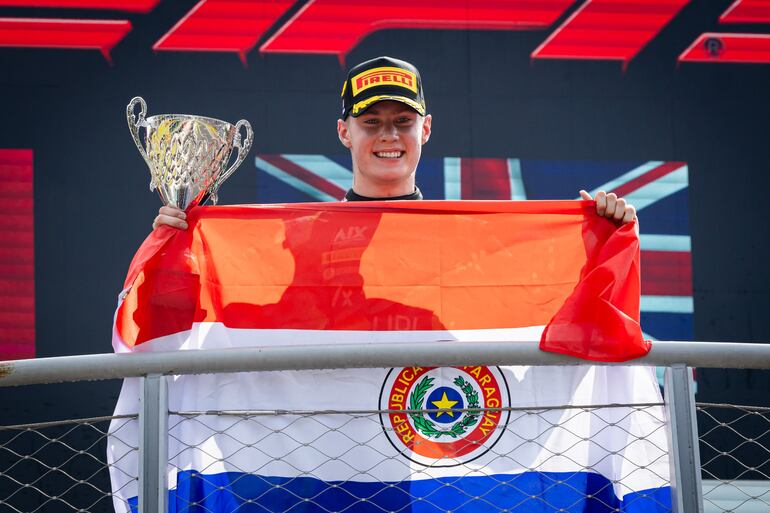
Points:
x=136 y=122
x=243 y=146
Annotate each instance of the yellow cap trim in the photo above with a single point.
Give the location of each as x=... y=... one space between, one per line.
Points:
x=364 y=104
x=344 y=86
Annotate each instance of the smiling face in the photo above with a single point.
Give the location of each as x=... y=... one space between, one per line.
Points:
x=385 y=142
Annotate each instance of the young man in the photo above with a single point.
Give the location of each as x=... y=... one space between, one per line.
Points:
x=384 y=124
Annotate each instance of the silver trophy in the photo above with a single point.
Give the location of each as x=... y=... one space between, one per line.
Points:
x=187 y=155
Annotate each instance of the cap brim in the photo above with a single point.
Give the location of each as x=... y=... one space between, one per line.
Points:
x=360 y=107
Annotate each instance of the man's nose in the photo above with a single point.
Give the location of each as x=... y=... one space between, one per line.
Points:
x=388 y=132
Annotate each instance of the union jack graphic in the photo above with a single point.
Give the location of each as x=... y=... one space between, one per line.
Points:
x=657 y=189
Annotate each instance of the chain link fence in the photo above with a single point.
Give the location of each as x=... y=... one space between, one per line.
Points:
x=59 y=466
x=238 y=452
x=233 y=460
x=735 y=457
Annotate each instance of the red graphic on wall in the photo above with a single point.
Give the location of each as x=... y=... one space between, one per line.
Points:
x=70 y=34
x=223 y=26
x=597 y=30
x=609 y=30
x=100 y=35
x=143 y=6
x=747 y=11
x=17 y=256
x=731 y=47
x=336 y=27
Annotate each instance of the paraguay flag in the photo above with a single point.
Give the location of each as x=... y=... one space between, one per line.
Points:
x=658 y=190
x=459 y=439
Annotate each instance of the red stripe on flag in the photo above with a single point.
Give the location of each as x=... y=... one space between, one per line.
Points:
x=485 y=179
x=649 y=176
x=306 y=176
x=666 y=273
x=431 y=266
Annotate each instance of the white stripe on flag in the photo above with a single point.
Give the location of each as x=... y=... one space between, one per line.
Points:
x=517 y=184
x=626 y=177
x=624 y=445
x=656 y=190
x=293 y=181
x=452 y=178
x=667 y=304
x=324 y=167
x=660 y=242
x=203 y=333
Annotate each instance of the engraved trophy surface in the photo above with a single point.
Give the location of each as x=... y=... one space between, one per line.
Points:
x=187 y=155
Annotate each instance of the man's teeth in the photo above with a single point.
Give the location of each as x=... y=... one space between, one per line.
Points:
x=389 y=154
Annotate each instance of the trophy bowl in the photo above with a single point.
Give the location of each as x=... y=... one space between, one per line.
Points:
x=187 y=155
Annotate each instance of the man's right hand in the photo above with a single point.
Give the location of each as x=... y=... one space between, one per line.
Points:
x=170 y=216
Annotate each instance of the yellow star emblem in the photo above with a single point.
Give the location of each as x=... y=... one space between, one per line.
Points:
x=444 y=404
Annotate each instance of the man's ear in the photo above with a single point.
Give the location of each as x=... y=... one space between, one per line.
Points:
x=343 y=133
x=426 y=128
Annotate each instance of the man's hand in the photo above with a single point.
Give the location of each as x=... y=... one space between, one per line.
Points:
x=170 y=216
x=612 y=207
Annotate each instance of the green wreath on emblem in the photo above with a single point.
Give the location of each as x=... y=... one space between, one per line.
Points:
x=426 y=426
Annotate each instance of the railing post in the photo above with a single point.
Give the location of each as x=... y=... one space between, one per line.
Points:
x=686 y=486
x=153 y=444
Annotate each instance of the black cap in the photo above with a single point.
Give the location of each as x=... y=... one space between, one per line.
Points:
x=383 y=78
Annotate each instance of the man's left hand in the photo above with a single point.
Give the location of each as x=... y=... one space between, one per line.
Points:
x=612 y=207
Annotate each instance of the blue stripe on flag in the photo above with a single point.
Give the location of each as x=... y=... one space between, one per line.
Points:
x=430 y=177
x=343 y=159
x=533 y=492
x=272 y=190
x=668 y=326
x=560 y=179
x=668 y=215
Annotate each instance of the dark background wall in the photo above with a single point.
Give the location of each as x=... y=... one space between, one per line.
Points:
x=92 y=206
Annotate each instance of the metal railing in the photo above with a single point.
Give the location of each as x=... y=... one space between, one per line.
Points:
x=71 y=454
